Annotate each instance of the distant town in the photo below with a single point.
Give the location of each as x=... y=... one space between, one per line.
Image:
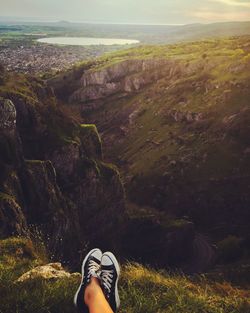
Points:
x=42 y=58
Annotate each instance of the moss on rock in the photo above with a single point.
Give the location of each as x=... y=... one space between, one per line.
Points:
x=91 y=142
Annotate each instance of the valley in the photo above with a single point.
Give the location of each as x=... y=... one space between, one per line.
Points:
x=174 y=119
x=144 y=151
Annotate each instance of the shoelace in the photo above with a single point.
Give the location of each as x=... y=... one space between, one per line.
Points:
x=107 y=278
x=92 y=269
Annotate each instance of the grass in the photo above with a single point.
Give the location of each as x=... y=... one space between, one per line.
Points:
x=142 y=290
x=146 y=290
x=184 y=52
x=63 y=126
x=150 y=149
x=213 y=83
x=188 y=168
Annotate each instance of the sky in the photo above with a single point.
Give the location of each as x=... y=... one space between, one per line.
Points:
x=128 y=11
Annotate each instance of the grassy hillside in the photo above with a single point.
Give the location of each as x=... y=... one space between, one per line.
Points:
x=154 y=34
x=142 y=289
x=215 y=85
x=182 y=141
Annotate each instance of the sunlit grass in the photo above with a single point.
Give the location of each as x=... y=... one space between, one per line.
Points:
x=142 y=289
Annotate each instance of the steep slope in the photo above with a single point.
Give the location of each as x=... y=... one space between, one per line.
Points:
x=54 y=181
x=176 y=121
x=53 y=177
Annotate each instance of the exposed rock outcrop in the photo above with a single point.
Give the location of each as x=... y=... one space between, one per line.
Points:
x=12 y=219
x=7 y=114
x=68 y=193
x=47 y=272
x=63 y=187
x=123 y=78
x=180 y=116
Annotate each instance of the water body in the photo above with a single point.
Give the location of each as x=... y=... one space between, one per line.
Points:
x=87 y=41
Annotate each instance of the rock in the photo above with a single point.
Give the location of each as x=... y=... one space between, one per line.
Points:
x=47 y=272
x=182 y=116
x=126 y=77
x=58 y=183
x=229 y=119
x=7 y=114
x=65 y=160
x=12 y=219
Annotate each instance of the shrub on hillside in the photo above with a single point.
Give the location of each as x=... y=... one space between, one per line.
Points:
x=230 y=249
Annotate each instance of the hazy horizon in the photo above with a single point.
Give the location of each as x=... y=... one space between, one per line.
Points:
x=14 y=19
x=145 y=12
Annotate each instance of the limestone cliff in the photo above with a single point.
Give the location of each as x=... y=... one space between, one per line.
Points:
x=53 y=177
x=121 y=78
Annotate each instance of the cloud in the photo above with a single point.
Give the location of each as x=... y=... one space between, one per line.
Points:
x=235 y=3
x=129 y=11
x=220 y=16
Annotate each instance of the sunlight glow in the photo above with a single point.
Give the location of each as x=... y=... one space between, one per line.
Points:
x=234 y=3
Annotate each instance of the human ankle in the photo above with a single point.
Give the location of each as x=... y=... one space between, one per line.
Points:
x=92 y=290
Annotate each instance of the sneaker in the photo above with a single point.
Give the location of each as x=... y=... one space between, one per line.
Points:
x=109 y=275
x=90 y=267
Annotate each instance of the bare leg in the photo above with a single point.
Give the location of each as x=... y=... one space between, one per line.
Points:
x=95 y=299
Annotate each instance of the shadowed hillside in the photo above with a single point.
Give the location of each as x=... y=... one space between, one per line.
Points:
x=52 y=175
x=175 y=119
x=54 y=180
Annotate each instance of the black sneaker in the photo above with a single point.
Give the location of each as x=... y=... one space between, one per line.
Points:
x=109 y=275
x=90 y=267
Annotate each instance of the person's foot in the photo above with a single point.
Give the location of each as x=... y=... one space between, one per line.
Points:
x=90 y=267
x=109 y=275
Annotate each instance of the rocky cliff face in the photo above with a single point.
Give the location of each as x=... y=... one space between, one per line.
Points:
x=54 y=179
x=176 y=120
x=53 y=176
x=123 y=78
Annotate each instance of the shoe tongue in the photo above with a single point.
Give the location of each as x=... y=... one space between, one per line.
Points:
x=93 y=273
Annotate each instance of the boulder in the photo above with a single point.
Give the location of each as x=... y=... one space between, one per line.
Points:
x=47 y=272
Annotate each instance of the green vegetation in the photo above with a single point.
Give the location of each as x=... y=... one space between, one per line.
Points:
x=226 y=49
x=182 y=142
x=209 y=86
x=146 y=290
x=63 y=125
x=180 y=121
x=186 y=140
x=91 y=140
x=142 y=289
x=230 y=249
x=17 y=256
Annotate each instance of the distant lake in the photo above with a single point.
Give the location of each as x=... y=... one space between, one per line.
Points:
x=87 y=41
